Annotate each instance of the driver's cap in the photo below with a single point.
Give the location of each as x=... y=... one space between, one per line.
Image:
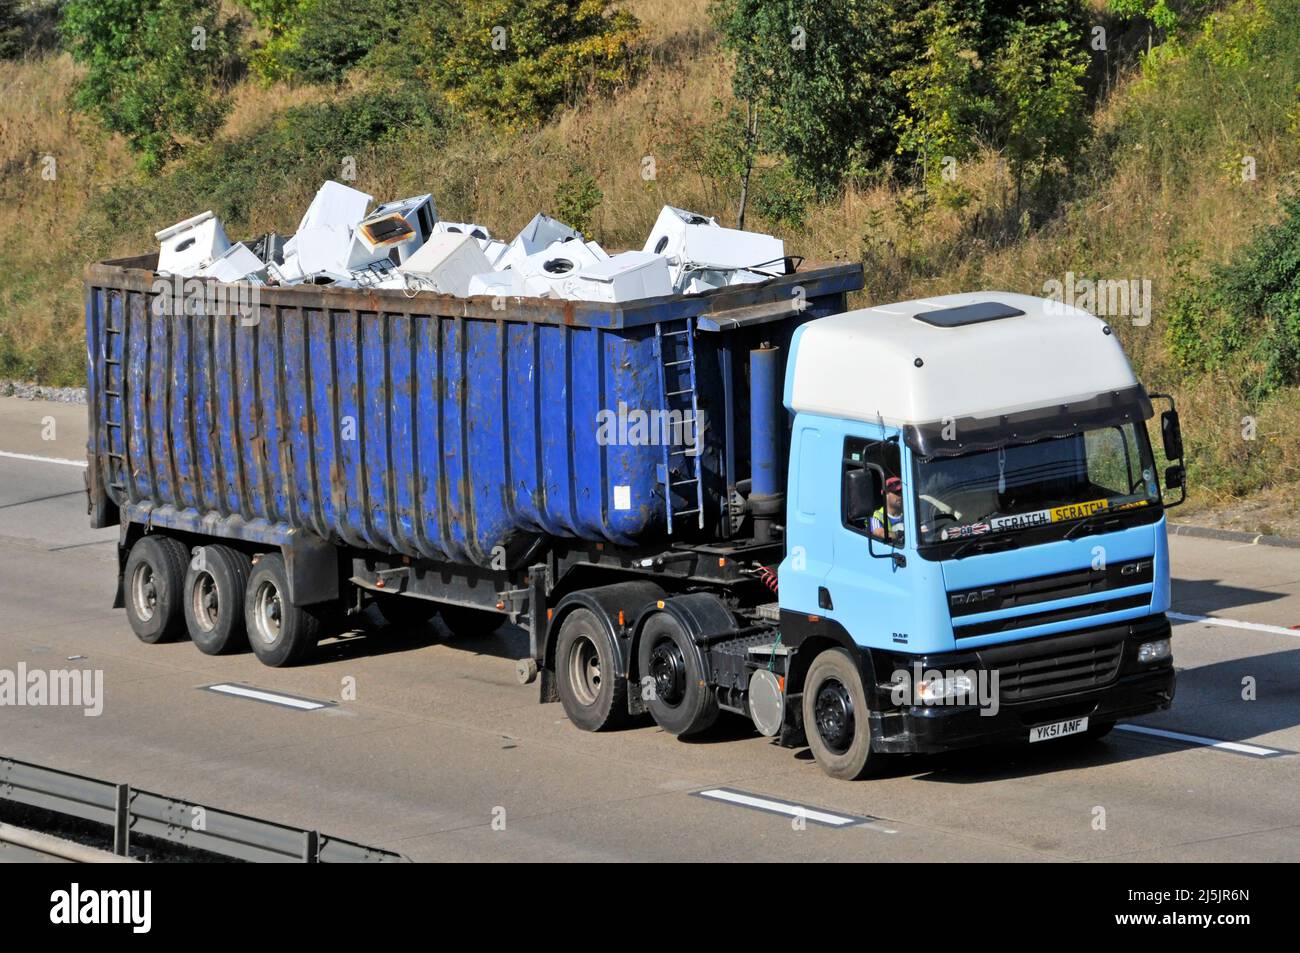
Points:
x=894 y=485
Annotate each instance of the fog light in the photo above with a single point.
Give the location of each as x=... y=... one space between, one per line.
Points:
x=1153 y=651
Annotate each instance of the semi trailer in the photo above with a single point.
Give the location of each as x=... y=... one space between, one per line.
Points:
x=901 y=529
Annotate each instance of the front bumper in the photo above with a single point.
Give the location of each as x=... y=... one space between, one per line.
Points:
x=1133 y=690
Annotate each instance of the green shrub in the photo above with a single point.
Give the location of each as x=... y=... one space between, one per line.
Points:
x=1246 y=314
x=306 y=144
x=157 y=69
x=320 y=40
x=842 y=86
x=514 y=62
x=576 y=198
x=11 y=29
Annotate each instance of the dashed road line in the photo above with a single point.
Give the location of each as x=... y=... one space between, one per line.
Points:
x=296 y=702
x=785 y=808
x=1235 y=747
x=1234 y=623
x=31 y=457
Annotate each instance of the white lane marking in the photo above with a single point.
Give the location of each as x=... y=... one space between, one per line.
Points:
x=35 y=459
x=1234 y=623
x=1237 y=747
x=273 y=698
x=783 y=807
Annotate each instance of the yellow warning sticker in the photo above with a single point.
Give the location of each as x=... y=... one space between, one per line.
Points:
x=1074 y=511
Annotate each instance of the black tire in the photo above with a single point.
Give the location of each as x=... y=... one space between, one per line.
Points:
x=406 y=612
x=279 y=632
x=153 y=584
x=592 y=692
x=672 y=678
x=214 y=600
x=464 y=622
x=835 y=716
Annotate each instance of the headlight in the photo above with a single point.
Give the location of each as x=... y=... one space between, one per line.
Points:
x=1153 y=651
x=929 y=691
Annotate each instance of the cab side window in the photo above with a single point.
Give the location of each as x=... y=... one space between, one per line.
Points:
x=867 y=465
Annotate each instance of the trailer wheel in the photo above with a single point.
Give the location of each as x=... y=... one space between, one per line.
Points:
x=592 y=692
x=214 y=600
x=835 y=715
x=464 y=622
x=406 y=612
x=674 y=686
x=280 y=633
x=155 y=579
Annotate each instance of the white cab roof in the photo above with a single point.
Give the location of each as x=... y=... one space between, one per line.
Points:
x=861 y=365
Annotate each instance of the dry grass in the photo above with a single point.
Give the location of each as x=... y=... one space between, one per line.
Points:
x=38 y=215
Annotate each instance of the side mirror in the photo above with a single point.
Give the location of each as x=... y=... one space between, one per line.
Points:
x=862 y=490
x=1175 y=477
x=1171 y=434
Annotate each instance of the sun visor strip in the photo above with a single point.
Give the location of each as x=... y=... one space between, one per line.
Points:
x=950 y=437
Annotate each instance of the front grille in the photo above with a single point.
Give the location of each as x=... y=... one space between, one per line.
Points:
x=1062 y=585
x=1059 y=671
x=1050 y=615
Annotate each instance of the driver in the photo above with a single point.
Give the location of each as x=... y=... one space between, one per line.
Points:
x=891 y=513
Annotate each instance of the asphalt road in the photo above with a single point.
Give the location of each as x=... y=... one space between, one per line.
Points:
x=442 y=756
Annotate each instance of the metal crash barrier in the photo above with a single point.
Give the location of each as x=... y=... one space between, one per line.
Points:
x=129 y=812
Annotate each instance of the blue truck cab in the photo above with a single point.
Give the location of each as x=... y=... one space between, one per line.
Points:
x=1022 y=595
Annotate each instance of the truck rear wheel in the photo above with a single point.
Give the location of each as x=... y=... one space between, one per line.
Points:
x=280 y=633
x=672 y=673
x=154 y=584
x=835 y=716
x=464 y=622
x=214 y=600
x=592 y=692
x=406 y=612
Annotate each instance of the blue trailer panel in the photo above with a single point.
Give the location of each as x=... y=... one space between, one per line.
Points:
x=430 y=426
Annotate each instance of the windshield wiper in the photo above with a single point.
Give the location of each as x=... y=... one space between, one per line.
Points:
x=1097 y=522
x=985 y=545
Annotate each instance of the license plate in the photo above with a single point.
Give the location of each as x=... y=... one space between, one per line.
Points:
x=1058 y=729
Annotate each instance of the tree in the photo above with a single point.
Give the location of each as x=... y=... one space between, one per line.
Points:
x=844 y=85
x=157 y=69
x=820 y=75
x=1038 y=83
x=514 y=62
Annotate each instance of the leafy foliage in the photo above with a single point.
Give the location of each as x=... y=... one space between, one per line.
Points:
x=514 y=62
x=576 y=199
x=844 y=85
x=320 y=40
x=1247 y=310
x=11 y=29
x=156 y=68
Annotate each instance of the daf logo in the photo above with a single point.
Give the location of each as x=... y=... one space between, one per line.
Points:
x=971 y=598
x=1133 y=569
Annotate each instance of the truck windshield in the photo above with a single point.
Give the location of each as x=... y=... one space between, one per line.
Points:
x=1028 y=485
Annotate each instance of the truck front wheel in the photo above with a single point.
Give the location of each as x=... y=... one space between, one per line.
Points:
x=593 y=693
x=155 y=579
x=280 y=633
x=835 y=715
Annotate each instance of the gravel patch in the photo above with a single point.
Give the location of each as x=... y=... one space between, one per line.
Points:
x=30 y=391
